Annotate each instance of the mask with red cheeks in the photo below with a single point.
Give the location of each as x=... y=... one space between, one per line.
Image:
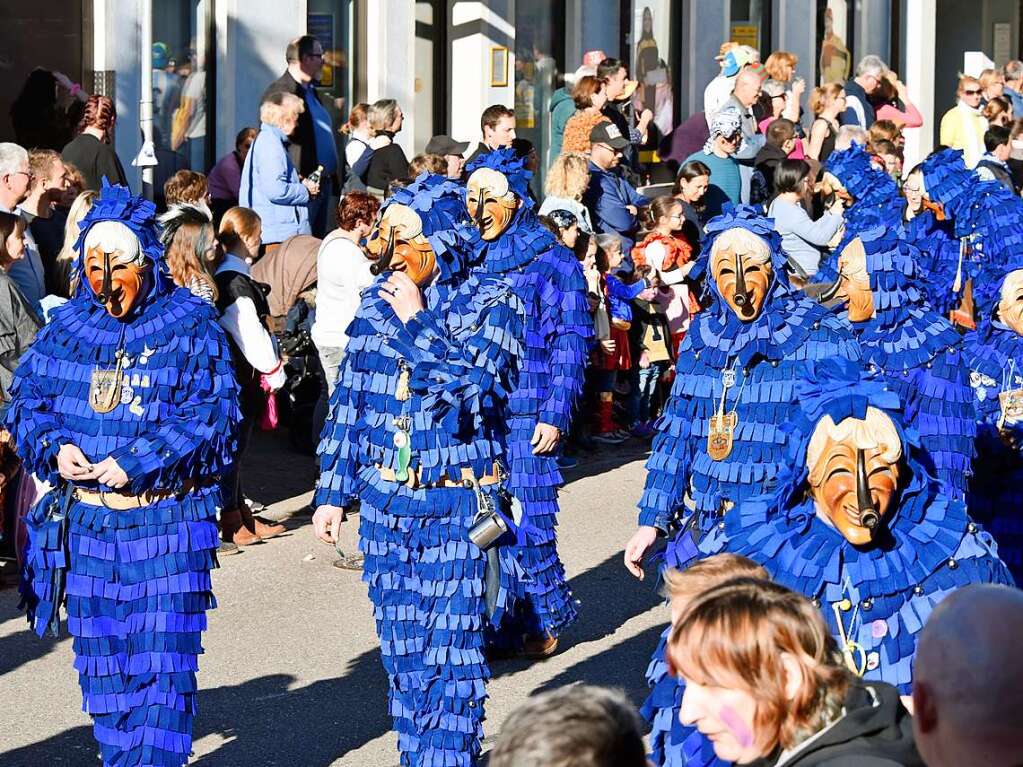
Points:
x=114 y=267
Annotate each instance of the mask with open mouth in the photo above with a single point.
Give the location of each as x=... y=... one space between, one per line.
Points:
x=490 y=202
x=854 y=472
x=742 y=271
x=114 y=267
x=399 y=245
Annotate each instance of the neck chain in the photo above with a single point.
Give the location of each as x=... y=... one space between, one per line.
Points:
x=721 y=427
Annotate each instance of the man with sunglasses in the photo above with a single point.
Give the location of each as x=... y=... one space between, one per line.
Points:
x=613 y=202
x=15 y=176
x=963 y=126
x=857 y=91
x=312 y=142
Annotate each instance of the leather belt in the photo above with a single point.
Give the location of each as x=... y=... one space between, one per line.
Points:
x=120 y=502
x=468 y=478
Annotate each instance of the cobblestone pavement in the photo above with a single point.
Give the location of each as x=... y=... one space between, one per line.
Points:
x=292 y=673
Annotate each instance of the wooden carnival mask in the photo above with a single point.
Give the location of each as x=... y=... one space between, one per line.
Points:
x=399 y=245
x=1010 y=304
x=741 y=268
x=490 y=202
x=854 y=471
x=853 y=284
x=115 y=267
x=829 y=187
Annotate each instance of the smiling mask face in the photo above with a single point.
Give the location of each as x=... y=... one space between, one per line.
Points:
x=399 y=245
x=1010 y=304
x=490 y=202
x=854 y=472
x=853 y=287
x=114 y=267
x=740 y=265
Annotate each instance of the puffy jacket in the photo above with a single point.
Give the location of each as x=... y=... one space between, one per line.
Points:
x=271 y=187
x=562 y=107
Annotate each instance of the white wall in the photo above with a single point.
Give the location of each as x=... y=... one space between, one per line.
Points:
x=919 y=53
x=475 y=27
x=390 y=60
x=252 y=36
x=116 y=49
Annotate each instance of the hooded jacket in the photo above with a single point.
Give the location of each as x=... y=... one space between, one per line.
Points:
x=562 y=107
x=875 y=730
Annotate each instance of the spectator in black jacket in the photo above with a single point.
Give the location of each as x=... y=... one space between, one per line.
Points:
x=781 y=140
x=388 y=161
x=498 y=126
x=312 y=143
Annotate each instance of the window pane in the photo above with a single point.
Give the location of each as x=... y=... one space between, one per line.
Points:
x=835 y=58
x=328 y=22
x=650 y=53
x=180 y=94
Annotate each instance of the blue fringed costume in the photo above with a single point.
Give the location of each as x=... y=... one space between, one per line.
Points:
x=429 y=397
x=685 y=487
x=137 y=576
x=925 y=547
x=548 y=279
x=919 y=352
x=995 y=358
x=934 y=237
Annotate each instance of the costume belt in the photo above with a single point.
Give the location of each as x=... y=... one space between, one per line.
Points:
x=468 y=478
x=119 y=501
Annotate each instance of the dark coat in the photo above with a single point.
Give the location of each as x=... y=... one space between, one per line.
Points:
x=303 y=140
x=875 y=731
x=95 y=160
x=387 y=164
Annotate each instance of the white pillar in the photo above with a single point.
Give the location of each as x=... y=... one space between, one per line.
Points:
x=476 y=29
x=920 y=42
x=251 y=36
x=390 y=60
x=117 y=40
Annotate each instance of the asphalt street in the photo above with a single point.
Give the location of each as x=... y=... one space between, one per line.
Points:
x=292 y=672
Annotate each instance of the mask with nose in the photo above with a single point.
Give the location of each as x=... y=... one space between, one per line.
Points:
x=854 y=473
x=1010 y=303
x=741 y=267
x=398 y=244
x=491 y=202
x=115 y=267
x=853 y=284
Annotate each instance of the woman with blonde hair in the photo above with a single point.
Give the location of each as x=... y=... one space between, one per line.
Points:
x=566 y=182
x=358 y=134
x=63 y=271
x=590 y=96
x=388 y=161
x=964 y=125
x=826 y=102
x=764 y=681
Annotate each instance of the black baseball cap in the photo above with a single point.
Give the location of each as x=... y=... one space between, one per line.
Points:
x=446 y=145
x=607 y=133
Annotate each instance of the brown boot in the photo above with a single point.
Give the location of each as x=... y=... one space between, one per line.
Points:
x=253 y=525
x=232 y=529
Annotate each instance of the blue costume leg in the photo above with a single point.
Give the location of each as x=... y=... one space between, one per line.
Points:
x=137 y=600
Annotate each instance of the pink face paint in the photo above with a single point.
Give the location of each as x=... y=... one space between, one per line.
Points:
x=731 y=719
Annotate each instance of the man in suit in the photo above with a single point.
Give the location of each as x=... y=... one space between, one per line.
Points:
x=312 y=143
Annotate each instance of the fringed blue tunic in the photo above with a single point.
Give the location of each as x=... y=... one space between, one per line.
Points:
x=137 y=581
x=425 y=577
x=919 y=353
x=685 y=488
x=548 y=279
x=938 y=249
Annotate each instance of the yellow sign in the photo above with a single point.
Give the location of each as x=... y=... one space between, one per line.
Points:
x=746 y=34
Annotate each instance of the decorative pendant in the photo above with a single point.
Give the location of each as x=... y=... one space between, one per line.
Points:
x=105 y=387
x=721 y=434
x=402 y=441
x=852 y=651
x=1011 y=403
x=401 y=391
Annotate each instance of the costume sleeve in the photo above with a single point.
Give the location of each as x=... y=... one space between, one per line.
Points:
x=339 y=443
x=461 y=380
x=36 y=431
x=618 y=289
x=572 y=333
x=197 y=440
x=670 y=459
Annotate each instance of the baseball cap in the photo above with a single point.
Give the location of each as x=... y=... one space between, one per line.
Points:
x=735 y=60
x=446 y=145
x=607 y=133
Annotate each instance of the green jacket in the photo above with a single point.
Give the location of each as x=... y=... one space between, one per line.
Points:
x=562 y=107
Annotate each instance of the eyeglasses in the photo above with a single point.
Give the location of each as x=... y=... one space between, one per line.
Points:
x=971 y=93
x=24 y=173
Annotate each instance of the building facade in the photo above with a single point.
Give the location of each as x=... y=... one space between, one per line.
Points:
x=446 y=60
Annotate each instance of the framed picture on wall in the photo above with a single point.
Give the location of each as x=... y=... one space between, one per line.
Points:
x=498 y=66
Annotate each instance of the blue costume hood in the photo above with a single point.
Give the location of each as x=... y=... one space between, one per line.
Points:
x=866 y=184
x=525 y=238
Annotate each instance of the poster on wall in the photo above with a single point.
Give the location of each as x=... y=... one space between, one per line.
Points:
x=836 y=59
x=651 y=24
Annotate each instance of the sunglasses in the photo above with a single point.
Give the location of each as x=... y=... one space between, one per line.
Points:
x=971 y=93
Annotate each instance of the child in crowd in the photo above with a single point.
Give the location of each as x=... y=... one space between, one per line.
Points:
x=614 y=356
x=565 y=226
x=671 y=256
x=652 y=352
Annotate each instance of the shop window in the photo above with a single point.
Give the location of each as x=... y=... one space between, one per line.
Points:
x=651 y=52
x=834 y=41
x=751 y=24
x=182 y=86
x=539 y=65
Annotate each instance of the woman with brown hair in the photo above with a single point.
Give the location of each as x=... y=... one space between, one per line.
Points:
x=90 y=150
x=998 y=111
x=190 y=248
x=764 y=682
x=826 y=102
x=590 y=96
